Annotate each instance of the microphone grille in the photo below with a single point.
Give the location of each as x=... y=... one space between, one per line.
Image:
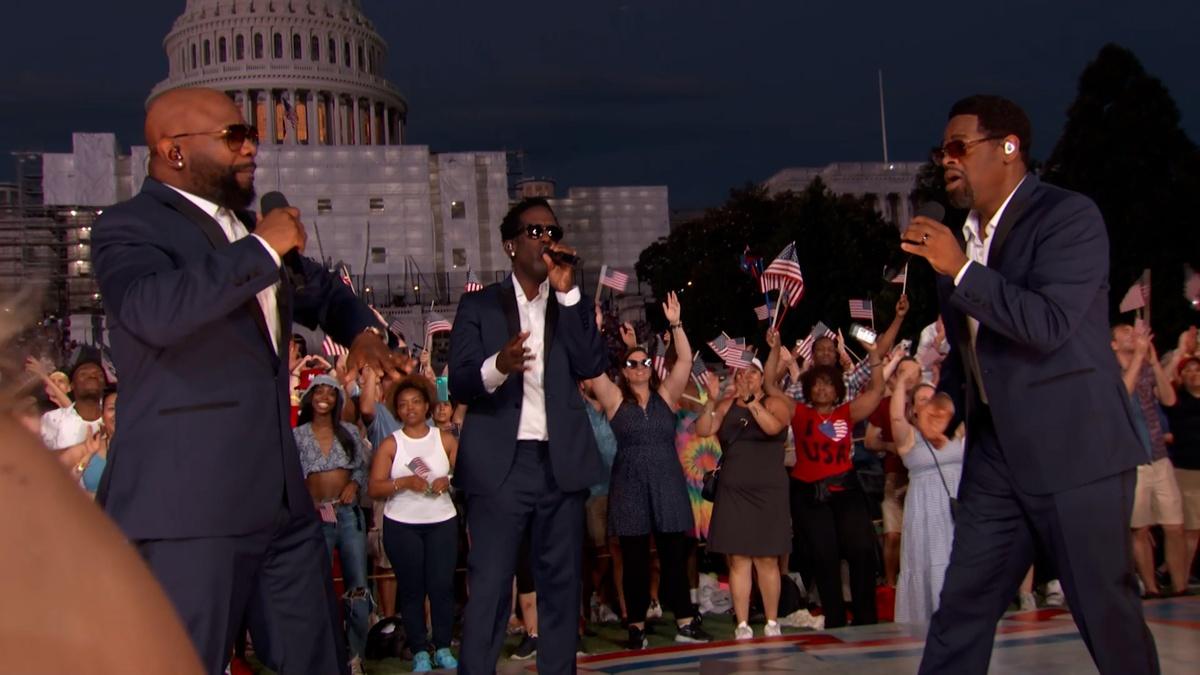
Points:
x=271 y=201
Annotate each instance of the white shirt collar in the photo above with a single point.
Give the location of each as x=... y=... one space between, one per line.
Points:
x=971 y=226
x=543 y=290
x=206 y=206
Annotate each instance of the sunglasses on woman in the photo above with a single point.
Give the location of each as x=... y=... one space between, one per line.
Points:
x=235 y=135
x=536 y=230
x=957 y=148
x=634 y=363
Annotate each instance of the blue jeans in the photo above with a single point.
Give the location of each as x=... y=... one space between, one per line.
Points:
x=349 y=536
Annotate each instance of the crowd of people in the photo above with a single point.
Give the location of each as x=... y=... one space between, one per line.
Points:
x=789 y=436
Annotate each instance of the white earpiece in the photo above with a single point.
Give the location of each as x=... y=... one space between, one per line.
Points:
x=1009 y=148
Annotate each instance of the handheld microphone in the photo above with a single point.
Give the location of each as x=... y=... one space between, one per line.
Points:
x=291 y=260
x=930 y=210
x=562 y=257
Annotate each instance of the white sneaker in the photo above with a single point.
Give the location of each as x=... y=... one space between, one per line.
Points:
x=1028 y=602
x=802 y=618
x=772 y=629
x=356 y=667
x=743 y=632
x=606 y=615
x=654 y=611
x=1054 y=594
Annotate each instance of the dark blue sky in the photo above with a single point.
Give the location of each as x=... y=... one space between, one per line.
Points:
x=701 y=95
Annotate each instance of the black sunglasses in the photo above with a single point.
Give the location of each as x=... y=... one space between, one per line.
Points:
x=634 y=363
x=536 y=230
x=957 y=148
x=235 y=135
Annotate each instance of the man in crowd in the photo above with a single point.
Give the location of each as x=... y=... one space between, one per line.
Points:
x=1157 y=500
x=204 y=477
x=66 y=429
x=527 y=453
x=1050 y=429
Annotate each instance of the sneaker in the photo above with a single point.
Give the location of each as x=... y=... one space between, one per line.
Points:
x=605 y=614
x=444 y=658
x=637 y=639
x=772 y=629
x=1054 y=594
x=654 y=611
x=802 y=618
x=527 y=649
x=579 y=650
x=743 y=632
x=692 y=632
x=1028 y=602
x=421 y=662
x=356 y=667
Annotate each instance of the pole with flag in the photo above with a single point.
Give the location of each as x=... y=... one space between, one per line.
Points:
x=863 y=309
x=783 y=274
x=435 y=323
x=472 y=284
x=1137 y=298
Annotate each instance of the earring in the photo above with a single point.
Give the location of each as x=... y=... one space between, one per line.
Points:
x=179 y=164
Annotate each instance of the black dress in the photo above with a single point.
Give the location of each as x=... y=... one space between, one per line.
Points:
x=751 y=513
x=648 y=492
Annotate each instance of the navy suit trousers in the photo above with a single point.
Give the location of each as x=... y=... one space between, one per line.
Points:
x=528 y=498
x=1084 y=530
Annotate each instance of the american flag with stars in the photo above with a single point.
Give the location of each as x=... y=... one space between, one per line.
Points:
x=862 y=309
x=332 y=348
x=472 y=284
x=435 y=323
x=783 y=274
x=613 y=279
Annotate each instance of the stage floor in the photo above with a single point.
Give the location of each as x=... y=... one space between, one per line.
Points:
x=1043 y=641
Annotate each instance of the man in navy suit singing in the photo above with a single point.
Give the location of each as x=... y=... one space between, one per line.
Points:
x=527 y=454
x=204 y=477
x=1052 y=447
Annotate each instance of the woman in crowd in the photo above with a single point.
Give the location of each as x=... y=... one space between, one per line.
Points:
x=829 y=508
x=1185 y=451
x=934 y=462
x=648 y=494
x=97 y=445
x=412 y=470
x=334 y=459
x=750 y=521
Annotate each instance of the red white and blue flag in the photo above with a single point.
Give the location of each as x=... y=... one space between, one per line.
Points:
x=613 y=279
x=762 y=312
x=862 y=309
x=660 y=358
x=783 y=274
x=332 y=348
x=435 y=323
x=420 y=469
x=472 y=284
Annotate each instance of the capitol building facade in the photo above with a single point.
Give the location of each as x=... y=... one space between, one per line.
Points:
x=408 y=223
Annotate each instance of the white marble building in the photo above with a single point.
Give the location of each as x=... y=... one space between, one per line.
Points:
x=889 y=185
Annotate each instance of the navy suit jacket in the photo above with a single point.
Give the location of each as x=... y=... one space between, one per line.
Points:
x=485 y=321
x=1053 y=385
x=204 y=447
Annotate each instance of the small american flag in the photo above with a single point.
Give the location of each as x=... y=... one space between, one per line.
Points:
x=289 y=113
x=862 y=309
x=660 y=358
x=396 y=327
x=783 y=274
x=344 y=275
x=804 y=349
x=435 y=323
x=472 y=284
x=762 y=312
x=613 y=279
x=1138 y=295
x=902 y=277
x=699 y=367
x=820 y=330
x=332 y=348
x=420 y=469
x=740 y=358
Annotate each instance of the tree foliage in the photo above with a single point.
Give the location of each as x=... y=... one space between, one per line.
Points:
x=1123 y=147
x=841 y=241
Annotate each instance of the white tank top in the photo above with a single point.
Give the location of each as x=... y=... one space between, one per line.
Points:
x=418 y=508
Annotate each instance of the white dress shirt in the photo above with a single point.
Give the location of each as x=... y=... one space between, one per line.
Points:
x=979 y=245
x=532 y=311
x=234 y=230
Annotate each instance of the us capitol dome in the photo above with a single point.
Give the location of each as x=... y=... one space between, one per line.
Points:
x=307 y=72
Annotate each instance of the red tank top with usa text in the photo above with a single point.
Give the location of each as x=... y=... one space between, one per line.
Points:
x=824 y=443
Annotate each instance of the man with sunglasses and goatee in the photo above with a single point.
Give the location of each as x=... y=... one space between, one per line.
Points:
x=204 y=477
x=1052 y=448
x=527 y=454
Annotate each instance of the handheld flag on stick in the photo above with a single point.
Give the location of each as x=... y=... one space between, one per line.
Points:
x=783 y=274
x=435 y=323
x=332 y=348
x=472 y=284
x=613 y=279
x=1138 y=295
x=862 y=309
x=660 y=358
